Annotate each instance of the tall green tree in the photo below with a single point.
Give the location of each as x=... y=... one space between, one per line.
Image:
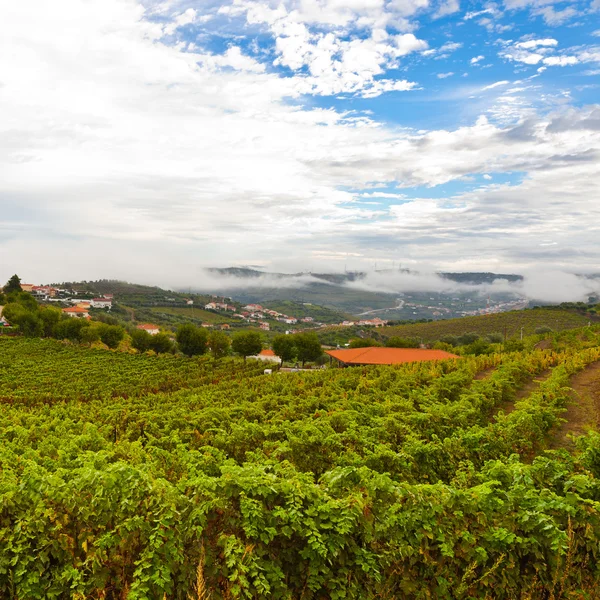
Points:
x=161 y=343
x=111 y=335
x=141 y=340
x=308 y=347
x=219 y=343
x=13 y=285
x=246 y=343
x=284 y=347
x=50 y=317
x=192 y=340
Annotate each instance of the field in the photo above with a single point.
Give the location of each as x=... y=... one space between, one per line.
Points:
x=507 y=323
x=125 y=476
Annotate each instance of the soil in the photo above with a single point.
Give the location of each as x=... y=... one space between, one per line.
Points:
x=583 y=410
x=484 y=374
x=529 y=388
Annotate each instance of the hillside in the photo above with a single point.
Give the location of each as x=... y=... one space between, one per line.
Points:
x=507 y=324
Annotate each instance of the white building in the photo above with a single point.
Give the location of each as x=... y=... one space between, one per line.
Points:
x=101 y=303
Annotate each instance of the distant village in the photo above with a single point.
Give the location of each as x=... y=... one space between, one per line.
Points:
x=256 y=313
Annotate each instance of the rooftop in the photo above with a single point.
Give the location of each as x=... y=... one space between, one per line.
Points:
x=387 y=356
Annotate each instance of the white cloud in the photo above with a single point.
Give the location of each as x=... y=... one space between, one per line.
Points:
x=477 y=59
x=495 y=85
x=444 y=75
x=530 y=44
x=560 y=61
x=116 y=144
x=447 y=7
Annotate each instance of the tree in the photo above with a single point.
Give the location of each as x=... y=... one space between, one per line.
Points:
x=111 y=335
x=50 y=318
x=89 y=335
x=363 y=343
x=400 y=342
x=284 y=347
x=192 y=340
x=219 y=343
x=247 y=343
x=70 y=328
x=141 y=340
x=13 y=285
x=161 y=343
x=308 y=347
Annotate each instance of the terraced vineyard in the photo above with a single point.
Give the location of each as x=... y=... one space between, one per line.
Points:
x=178 y=478
x=508 y=322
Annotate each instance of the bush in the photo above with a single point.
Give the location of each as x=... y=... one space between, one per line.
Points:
x=400 y=342
x=161 y=343
x=111 y=335
x=363 y=343
x=141 y=340
x=192 y=340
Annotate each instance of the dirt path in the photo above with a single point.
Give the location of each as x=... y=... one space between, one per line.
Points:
x=484 y=374
x=583 y=410
x=529 y=388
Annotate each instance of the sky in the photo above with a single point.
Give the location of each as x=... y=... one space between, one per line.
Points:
x=145 y=140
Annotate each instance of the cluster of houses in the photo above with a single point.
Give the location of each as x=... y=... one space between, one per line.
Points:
x=376 y=322
x=255 y=313
x=81 y=308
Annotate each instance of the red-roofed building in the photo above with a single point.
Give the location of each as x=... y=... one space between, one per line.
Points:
x=76 y=312
x=387 y=356
x=267 y=356
x=148 y=327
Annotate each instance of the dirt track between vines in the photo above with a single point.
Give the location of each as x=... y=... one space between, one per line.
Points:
x=583 y=410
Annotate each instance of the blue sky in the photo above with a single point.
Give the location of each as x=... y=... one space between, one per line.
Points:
x=148 y=139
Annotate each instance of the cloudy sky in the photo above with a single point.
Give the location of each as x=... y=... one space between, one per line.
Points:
x=147 y=139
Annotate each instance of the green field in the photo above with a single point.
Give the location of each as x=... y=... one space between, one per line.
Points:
x=135 y=476
x=507 y=324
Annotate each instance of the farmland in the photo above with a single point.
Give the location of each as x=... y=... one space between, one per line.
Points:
x=134 y=476
x=507 y=324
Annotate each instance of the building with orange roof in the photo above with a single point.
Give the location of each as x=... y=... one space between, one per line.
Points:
x=76 y=312
x=386 y=356
x=267 y=356
x=148 y=327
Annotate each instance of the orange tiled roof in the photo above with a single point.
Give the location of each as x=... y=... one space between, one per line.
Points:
x=76 y=309
x=148 y=326
x=387 y=356
x=267 y=352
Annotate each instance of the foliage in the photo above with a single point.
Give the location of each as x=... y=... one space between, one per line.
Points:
x=284 y=347
x=400 y=342
x=137 y=476
x=308 y=347
x=192 y=340
x=13 y=285
x=363 y=343
x=141 y=340
x=219 y=344
x=246 y=343
x=111 y=335
x=161 y=343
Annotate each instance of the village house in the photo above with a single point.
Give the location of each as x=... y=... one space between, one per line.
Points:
x=27 y=287
x=307 y=319
x=267 y=356
x=101 y=303
x=77 y=312
x=264 y=326
x=253 y=307
x=149 y=328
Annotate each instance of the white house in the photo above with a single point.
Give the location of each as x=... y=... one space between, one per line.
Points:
x=101 y=303
x=151 y=329
x=267 y=356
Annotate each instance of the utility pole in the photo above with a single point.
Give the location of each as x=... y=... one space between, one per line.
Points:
x=521 y=333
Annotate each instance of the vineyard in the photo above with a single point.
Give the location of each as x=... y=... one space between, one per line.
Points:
x=134 y=476
x=509 y=323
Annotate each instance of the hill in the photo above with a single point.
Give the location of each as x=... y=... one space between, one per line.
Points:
x=507 y=324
